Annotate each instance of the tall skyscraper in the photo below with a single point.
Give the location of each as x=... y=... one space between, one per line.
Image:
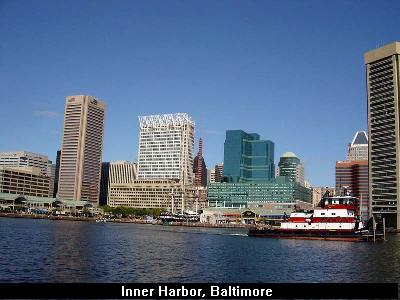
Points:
x=358 y=148
x=383 y=92
x=199 y=167
x=166 y=145
x=82 y=146
x=291 y=167
x=247 y=158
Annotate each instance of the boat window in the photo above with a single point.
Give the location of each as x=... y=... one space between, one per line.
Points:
x=322 y=214
x=333 y=214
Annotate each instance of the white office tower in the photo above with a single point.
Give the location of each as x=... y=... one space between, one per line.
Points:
x=358 y=149
x=166 y=145
x=81 y=151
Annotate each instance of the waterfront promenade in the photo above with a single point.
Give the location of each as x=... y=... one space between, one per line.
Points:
x=117 y=220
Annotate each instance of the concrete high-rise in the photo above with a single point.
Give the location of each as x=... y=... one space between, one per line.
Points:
x=26 y=181
x=354 y=176
x=247 y=158
x=22 y=159
x=166 y=145
x=82 y=146
x=291 y=167
x=218 y=172
x=358 y=148
x=116 y=175
x=383 y=92
x=25 y=159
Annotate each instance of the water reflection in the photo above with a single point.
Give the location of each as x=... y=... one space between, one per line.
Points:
x=49 y=251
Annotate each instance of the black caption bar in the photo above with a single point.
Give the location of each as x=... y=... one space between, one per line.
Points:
x=199 y=291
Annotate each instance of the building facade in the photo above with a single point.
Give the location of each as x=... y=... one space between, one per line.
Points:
x=291 y=167
x=358 y=148
x=57 y=173
x=51 y=172
x=25 y=159
x=383 y=93
x=245 y=194
x=166 y=145
x=115 y=173
x=218 y=172
x=199 y=167
x=26 y=181
x=247 y=158
x=354 y=176
x=81 y=152
x=164 y=194
x=210 y=175
x=104 y=178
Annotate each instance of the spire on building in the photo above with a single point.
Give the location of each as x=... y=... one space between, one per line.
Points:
x=199 y=168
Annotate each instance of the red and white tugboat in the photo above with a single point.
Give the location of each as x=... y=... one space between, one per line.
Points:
x=334 y=219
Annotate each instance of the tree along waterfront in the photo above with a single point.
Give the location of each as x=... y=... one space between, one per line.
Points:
x=126 y=212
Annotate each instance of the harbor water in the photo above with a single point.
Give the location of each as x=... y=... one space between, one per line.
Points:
x=65 y=251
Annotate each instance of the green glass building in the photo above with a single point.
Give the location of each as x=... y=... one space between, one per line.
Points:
x=291 y=167
x=236 y=195
x=247 y=158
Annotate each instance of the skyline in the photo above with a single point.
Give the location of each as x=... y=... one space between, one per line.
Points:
x=221 y=55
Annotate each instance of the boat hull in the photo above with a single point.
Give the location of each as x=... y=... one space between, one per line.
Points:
x=331 y=235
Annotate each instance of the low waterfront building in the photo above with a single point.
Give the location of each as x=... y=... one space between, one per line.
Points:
x=10 y=202
x=28 y=181
x=274 y=212
x=164 y=194
x=243 y=194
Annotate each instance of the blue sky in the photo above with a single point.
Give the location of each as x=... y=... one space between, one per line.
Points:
x=291 y=71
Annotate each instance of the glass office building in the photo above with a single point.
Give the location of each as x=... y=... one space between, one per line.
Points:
x=247 y=158
x=243 y=194
x=290 y=166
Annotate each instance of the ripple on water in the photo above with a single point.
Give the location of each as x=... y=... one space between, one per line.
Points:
x=49 y=251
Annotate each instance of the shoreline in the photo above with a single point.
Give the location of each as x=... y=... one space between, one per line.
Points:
x=123 y=220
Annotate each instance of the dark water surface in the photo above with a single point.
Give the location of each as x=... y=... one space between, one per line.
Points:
x=64 y=251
